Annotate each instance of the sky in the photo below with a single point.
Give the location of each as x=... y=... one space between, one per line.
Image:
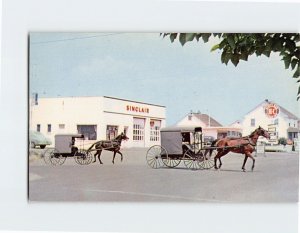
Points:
x=148 y=68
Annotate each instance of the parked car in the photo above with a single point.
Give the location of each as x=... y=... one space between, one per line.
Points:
x=38 y=139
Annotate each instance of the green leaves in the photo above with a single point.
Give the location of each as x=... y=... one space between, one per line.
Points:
x=225 y=57
x=215 y=47
x=186 y=37
x=294 y=63
x=244 y=56
x=297 y=72
x=235 y=58
x=173 y=37
x=231 y=42
x=205 y=37
x=266 y=53
x=287 y=61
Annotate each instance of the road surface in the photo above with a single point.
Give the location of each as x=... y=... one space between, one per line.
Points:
x=275 y=179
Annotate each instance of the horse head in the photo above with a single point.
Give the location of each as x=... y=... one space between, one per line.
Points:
x=262 y=132
x=123 y=136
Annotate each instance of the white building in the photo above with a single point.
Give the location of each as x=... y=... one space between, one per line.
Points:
x=210 y=127
x=99 y=118
x=274 y=118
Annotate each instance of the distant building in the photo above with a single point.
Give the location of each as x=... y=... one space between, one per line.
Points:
x=274 y=118
x=99 y=118
x=210 y=126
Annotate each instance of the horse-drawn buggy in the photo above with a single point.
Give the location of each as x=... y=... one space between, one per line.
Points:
x=180 y=144
x=65 y=147
x=186 y=144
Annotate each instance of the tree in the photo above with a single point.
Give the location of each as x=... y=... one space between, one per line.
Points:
x=239 y=46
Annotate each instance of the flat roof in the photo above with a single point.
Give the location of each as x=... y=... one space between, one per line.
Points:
x=107 y=97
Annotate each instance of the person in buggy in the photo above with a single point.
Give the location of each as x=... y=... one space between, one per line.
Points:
x=74 y=149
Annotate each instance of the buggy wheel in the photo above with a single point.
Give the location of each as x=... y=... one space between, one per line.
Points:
x=154 y=156
x=83 y=157
x=208 y=160
x=56 y=158
x=171 y=161
x=46 y=156
x=191 y=160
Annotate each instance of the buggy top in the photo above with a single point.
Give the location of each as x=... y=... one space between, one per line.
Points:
x=64 y=142
x=174 y=137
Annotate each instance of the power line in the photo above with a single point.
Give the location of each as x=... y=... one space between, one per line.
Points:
x=74 y=38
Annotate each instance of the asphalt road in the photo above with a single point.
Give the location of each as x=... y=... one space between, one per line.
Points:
x=275 y=179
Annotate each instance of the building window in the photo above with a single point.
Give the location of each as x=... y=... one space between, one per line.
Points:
x=38 y=127
x=155 y=130
x=138 y=132
x=111 y=132
x=138 y=129
x=61 y=126
x=49 y=128
x=252 y=122
x=89 y=131
x=189 y=117
x=276 y=122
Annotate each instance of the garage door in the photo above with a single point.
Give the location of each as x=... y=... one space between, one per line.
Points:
x=138 y=132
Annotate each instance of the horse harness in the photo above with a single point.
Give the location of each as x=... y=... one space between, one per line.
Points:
x=250 y=142
x=113 y=144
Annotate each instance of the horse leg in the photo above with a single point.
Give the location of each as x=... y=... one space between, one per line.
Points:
x=253 y=159
x=95 y=155
x=245 y=160
x=221 y=155
x=218 y=155
x=99 y=154
x=220 y=164
x=221 y=152
x=215 y=160
x=113 y=161
x=121 y=155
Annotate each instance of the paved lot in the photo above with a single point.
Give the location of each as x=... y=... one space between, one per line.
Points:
x=275 y=179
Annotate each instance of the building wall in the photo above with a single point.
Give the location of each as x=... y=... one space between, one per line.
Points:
x=99 y=111
x=280 y=123
x=260 y=120
x=116 y=109
x=70 y=112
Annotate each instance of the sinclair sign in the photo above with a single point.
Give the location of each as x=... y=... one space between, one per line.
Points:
x=271 y=110
x=138 y=109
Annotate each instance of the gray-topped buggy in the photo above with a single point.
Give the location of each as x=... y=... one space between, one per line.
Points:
x=180 y=144
x=65 y=147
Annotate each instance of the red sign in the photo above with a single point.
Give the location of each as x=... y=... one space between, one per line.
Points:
x=151 y=123
x=271 y=110
x=137 y=109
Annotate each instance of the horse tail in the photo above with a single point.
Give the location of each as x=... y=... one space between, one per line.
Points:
x=92 y=146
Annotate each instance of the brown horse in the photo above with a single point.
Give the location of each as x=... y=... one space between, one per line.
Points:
x=244 y=145
x=112 y=145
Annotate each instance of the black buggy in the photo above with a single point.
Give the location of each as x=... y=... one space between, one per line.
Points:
x=65 y=147
x=180 y=144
